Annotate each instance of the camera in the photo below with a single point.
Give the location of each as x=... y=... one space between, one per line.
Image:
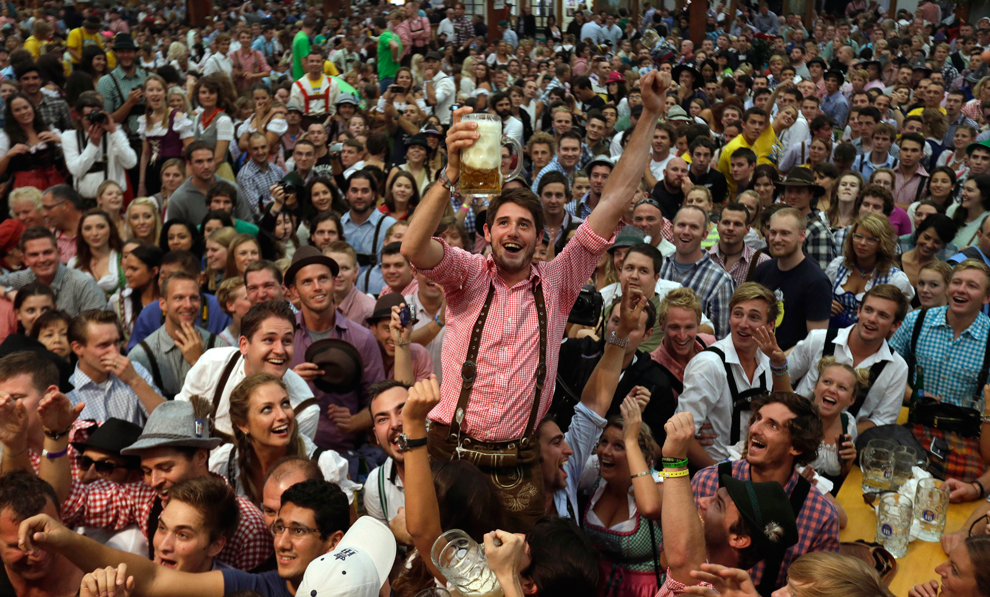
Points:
x=587 y=309
x=97 y=116
x=289 y=189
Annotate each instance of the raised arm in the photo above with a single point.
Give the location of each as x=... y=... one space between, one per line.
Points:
x=418 y=245
x=623 y=183
x=13 y=434
x=649 y=497
x=683 y=534
x=600 y=387
x=57 y=416
x=44 y=532
x=422 y=508
x=403 y=368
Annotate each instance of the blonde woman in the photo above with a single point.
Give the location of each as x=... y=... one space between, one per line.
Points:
x=143 y=222
x=265 y=431
x=216 y=256
x=110 y=198
x=164 y=134
x=242 y=252
x=178 y=58
x=177 y=99
x=867 y=259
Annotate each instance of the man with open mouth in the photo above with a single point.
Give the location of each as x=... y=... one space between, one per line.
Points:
x=862 y=345
x=947 y=352
x=509 y=365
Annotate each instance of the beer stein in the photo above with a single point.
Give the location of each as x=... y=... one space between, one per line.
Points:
x=481 y=164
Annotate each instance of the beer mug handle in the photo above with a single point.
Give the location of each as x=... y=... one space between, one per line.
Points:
x=516 y=149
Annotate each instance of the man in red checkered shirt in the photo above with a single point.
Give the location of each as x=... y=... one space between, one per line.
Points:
x=495 y=427
x=174 y=447
x=740 y=525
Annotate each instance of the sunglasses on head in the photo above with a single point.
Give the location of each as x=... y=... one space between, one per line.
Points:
x=103 y=467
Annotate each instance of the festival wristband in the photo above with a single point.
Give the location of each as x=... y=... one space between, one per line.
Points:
x=669 y=462
x=675 y=474
x=55 y=455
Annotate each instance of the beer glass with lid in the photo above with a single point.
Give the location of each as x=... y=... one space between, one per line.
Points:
x=481 y=164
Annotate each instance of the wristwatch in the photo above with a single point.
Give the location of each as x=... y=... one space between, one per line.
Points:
x=620 y=342
x=406 y=444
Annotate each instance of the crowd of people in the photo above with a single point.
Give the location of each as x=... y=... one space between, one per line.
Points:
x=244 y=336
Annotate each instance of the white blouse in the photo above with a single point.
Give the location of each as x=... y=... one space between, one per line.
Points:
x=5 y=144
x=276 y=125
x=225 y=125
x=109 y=283
x=898 y=279
x=182 y=125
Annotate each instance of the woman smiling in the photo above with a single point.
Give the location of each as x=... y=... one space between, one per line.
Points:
x=98 y=251
x=143 y=222
x=141 y=264
x=110 y=198
x=265 y=431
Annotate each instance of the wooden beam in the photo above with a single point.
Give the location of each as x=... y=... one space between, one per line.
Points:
x=199 y=12
x=331 y=7
x=809 y=18
x=698 y=17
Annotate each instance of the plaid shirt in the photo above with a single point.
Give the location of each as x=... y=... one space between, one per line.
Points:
x=819 y=244
x=55 y=111
x=818 y=522
x=713 y=285
x=255 y=182
x=741 y=267
x=463 y=31
x=554 y=166
x=112 y=507
x=112 y=398
x=951 y=365
x=507 y=358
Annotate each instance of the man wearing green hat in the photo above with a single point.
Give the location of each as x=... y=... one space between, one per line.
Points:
x=743 y=523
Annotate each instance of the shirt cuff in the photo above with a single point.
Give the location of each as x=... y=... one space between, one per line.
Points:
x=588 y=239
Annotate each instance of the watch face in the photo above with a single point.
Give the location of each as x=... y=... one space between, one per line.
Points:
x=402 y=443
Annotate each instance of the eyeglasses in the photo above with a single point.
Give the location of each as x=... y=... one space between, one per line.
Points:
x=296 y=531
x=103 y=467
x=870 y=239
x=51 y=207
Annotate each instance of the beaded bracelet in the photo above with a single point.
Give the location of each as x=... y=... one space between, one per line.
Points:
x=778 y=368
x=779 y=372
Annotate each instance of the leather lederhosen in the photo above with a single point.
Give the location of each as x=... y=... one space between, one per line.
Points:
x=514 y=466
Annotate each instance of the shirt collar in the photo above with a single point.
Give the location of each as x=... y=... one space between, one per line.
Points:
x=80 y=380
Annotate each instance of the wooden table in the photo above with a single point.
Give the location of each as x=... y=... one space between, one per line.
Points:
x=919 y=564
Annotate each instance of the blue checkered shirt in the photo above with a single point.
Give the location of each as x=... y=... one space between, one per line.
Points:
x=112 y=398
x=819 y=244
x=713 y=285
x=579 y=208
x=545 y=98
x=553 y=166
x=255 y=183
x=951 y=365
x=950 y=132
x=469 y=219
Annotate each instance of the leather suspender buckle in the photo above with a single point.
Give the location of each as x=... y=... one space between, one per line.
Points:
x=541 y=375
x=469 y=372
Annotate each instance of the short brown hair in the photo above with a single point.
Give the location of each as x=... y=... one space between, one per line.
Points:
x=524 y=198
x=750 y=291
x=253 y=319
x=79 y=330
x=684 y=298
x=214 y=499
x=43 y=372
x=226 y=290
x=890 y=293
x=341 y=246
x=542 y=138
x=34 y=233
x=805 y=429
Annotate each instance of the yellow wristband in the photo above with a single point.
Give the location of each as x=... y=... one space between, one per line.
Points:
x=674 y=474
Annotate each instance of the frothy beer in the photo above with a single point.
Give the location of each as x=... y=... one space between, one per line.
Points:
x=480 y=163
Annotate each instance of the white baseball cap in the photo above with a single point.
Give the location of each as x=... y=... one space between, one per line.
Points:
x=357 y=567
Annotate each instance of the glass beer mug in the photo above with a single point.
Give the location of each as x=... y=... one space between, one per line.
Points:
x=481 y=164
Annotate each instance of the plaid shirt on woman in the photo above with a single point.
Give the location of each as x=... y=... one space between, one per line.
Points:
x=817 y=523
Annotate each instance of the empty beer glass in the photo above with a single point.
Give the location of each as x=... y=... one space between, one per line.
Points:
x=877 y=462
x=931 y=505
x=894 y=517
x=481 y=174
x=462 y=561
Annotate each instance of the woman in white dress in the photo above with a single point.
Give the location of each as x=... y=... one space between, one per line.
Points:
x=164 y=134
x=265 y=431
x=98 y=248
x=267 y=120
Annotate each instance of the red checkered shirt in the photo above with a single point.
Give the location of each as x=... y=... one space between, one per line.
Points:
x=673 y=588
x=818 y=522
x=109 y=506
x=507 y=358
x=78 y=433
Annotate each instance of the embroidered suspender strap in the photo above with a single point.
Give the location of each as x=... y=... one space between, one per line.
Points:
x=773 y=560
x=307 y=97
x=469 y=370
x=227 y=370
x=156 y=373
x=740 y=401
x=381 y=491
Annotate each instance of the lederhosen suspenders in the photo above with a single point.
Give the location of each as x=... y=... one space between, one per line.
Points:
x=98 y=166
x=773 y=560
x=156 y=372
x=371 y=260
x=740 y=401
x=469 y=371
x=325 y=95
x=676 y=384
x=875 y=370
